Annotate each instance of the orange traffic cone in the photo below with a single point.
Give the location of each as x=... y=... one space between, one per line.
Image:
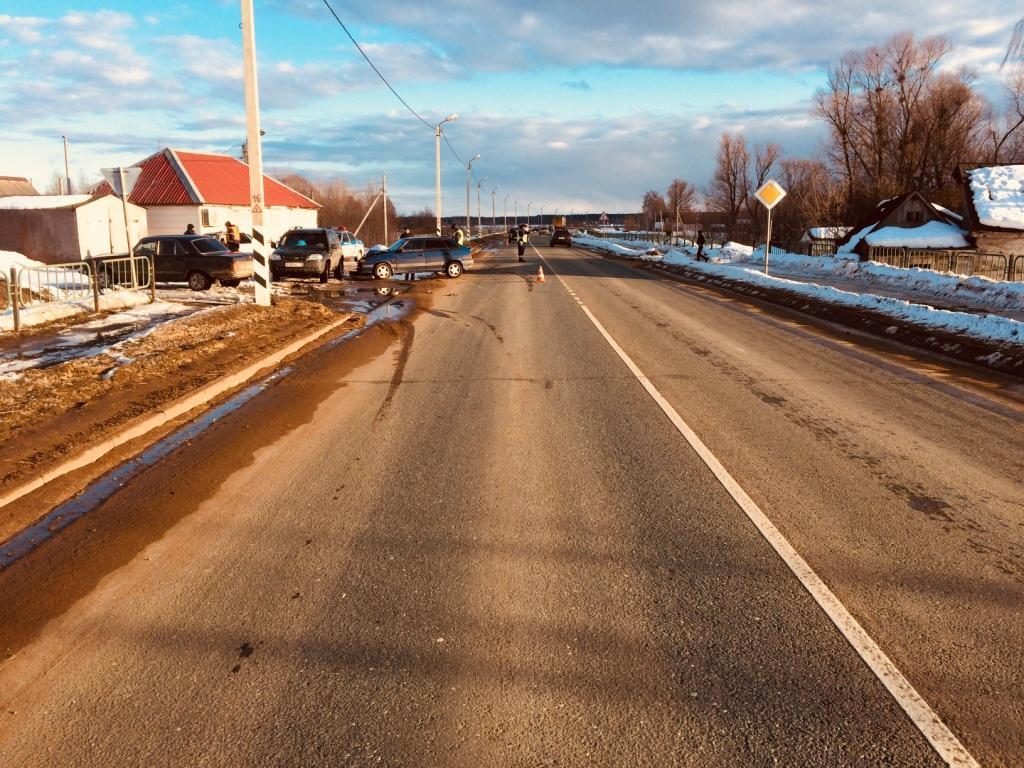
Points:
x=540 y=274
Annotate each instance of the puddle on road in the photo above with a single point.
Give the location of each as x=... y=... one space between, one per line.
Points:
x=100 y=490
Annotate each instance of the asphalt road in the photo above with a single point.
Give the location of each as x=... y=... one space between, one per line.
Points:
x=470 y=537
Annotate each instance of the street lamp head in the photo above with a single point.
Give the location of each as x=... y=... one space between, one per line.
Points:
x=451 y=118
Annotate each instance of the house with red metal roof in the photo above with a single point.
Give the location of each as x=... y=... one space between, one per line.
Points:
x=178 y=188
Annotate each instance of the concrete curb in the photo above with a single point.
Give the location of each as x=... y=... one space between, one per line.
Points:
x=169 y=413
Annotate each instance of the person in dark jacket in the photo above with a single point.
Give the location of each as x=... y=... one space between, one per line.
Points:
x=190 y=229
x=700 y=246
x=522 y=240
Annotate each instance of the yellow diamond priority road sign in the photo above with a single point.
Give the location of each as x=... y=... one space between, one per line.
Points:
x=770 y=194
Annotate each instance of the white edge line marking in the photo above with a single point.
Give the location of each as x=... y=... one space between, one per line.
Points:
x=923 y=716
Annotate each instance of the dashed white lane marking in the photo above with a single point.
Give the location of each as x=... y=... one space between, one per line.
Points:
x=921 y=714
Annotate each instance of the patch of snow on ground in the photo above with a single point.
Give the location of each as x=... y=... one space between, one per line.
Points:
x=102 y=336
x=13 y=259
x=998 y=194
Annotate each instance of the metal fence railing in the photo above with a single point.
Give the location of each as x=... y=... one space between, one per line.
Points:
x=32 y=286
x=5 y=292
x=996 y=266
x=129 y=272
x=52 y=282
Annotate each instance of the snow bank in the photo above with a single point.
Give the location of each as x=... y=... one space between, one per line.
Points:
x=38 y=202
x=635 y=250
x=990 y=327
x=934 y=234
x=9 y=259
x=998 y=195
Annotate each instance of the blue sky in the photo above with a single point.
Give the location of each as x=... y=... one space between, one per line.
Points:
x=572 y=104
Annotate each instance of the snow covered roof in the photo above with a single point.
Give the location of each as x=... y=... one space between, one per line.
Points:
x=897 y=235
x=828 y=233
x=176 y=177
x=36 y=202
x=934 y=234
x=997 y=195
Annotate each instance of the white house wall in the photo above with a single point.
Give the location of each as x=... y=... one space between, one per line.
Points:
x=172 y=219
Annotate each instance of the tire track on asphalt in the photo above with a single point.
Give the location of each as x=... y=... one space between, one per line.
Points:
x=942 y=739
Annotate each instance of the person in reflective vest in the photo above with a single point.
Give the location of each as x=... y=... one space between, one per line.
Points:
x=458 y=235
x=522 y=240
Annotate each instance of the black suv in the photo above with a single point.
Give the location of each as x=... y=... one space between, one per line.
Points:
x=314 y=252
x=195 y=259
x=561 y=237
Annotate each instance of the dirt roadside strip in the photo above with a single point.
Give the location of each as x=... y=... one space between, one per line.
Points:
x=63 y=419
x=1002 y=357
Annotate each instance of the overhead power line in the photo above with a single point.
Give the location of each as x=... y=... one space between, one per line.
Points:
x=385 y=80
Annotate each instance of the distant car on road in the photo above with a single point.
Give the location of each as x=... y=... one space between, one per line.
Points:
x=561 y=237
x=314 y=252
x=195 y=259
x=425 y=253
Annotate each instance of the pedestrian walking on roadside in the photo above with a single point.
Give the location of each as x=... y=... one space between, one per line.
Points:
x=406 y=232
x=458 y=235
x=522 y=240
x=700 y=246
x=190 y=229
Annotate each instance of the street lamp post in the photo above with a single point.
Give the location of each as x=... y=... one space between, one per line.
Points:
x=506 y=211
x=541 y=222
x=469 y=172
x=515 y=210
x=479 y=220
x=494 y=219
x=437 y=168
x=528 y=213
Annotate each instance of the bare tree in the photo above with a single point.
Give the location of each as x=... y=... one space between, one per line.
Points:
x=681 y=197
x=1004 y=131
x=895 y=122
x=653 y=208
x=728 y=191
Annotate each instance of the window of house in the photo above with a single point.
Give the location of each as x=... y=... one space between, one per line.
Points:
x=914 y=217
x=205 y=216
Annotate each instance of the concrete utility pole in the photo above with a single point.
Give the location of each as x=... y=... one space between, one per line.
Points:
x=384 y=192
x=254 y=147
x=437 y=168
x=67 y=167
x=469 y=172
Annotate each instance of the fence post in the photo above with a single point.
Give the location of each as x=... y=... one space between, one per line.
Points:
x=95 y=288
x=15 y=298
x=152 y=279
